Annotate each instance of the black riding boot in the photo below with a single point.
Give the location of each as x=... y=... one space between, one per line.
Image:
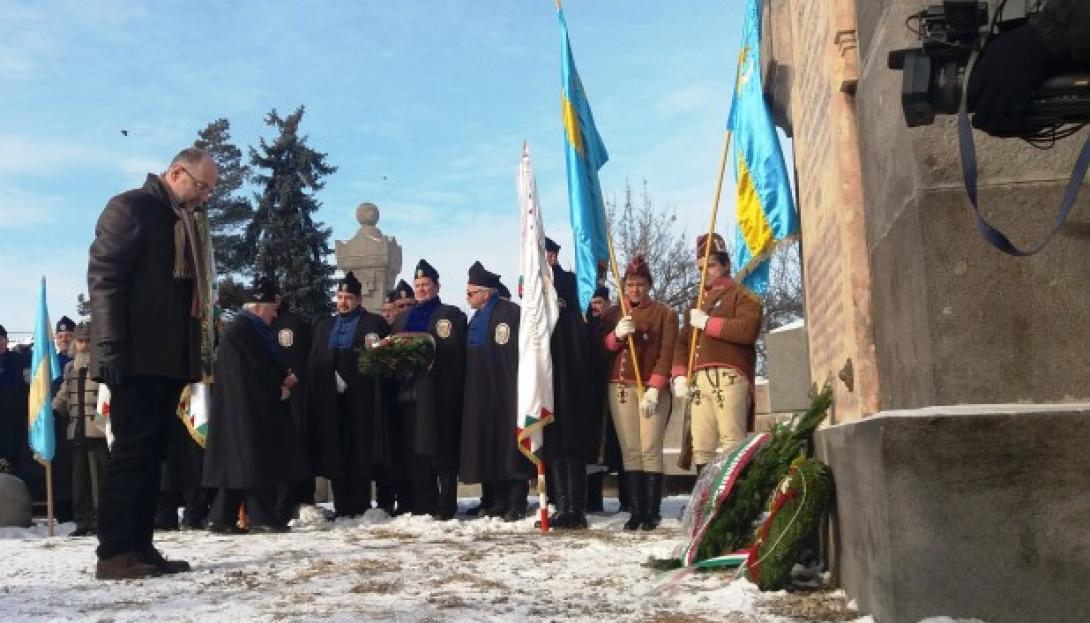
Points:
x=498 y=507
x=634 y=491
x=517 y=490
x=594 y=492
x=577 y=494
x=558 y=475
x=652 y=501
x=446 y=506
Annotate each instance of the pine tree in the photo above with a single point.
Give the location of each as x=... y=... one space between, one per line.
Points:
x=289 y=246
x=228 y=213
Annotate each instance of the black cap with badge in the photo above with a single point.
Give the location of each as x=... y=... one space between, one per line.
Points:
x=65 y=324
x=350 y=284
x=264 y=291
x=424 y=269
x=480 y=276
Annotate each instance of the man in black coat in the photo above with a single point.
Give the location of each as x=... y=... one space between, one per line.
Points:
x=348 y=412
x=430 y=402
x=13 y=404
x=252 y=445
x=293 y=342
x=571 y=440
x=147 y=281
x=490 y=454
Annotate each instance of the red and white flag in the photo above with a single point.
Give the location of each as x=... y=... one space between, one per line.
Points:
x=537 y=319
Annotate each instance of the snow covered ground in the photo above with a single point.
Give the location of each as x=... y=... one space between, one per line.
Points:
x=400 y=569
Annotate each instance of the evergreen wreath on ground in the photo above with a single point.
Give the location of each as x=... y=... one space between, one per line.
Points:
x=731 y=529
x=796 y=511
x=398 y=355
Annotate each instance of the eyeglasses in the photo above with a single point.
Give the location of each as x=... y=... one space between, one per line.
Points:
x=201 y=186
x=474 y=292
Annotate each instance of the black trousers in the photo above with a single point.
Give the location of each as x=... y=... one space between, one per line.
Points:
x=141 y=412
x=351 y=495
x=259 y=501
x=89 y=458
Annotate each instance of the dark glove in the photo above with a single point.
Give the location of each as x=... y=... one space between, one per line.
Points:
x=113 y=364
x=1009 y=70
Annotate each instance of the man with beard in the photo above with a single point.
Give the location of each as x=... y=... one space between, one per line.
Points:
x=571 y=440
x=348 y=412
x=490 y=455
x=292 y=335
x=149 y=282
x=252 y=443
x=430 y=402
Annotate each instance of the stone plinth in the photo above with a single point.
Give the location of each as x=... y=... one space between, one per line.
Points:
x=787 y=359
x=15 y=505
x=969 y=512
x=373 y=257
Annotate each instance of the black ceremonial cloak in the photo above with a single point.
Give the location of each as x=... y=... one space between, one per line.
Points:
x=349 y=432
x=490 y=411
x=251 y=438
x=577 y=427
x=431 y=401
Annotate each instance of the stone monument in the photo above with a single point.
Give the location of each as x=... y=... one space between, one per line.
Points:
x=15 y=505
x=373 y=257
x=960 y=416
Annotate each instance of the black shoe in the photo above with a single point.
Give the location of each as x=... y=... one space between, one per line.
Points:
x=155 y=558
x=267 y=529
x=652 y=501
x=634 y=490
x=514 y=514
x=126 y=566
x=82 y=531
x=558 y=472
x=217 y=528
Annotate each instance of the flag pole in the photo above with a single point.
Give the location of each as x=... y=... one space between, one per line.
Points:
x=708 y=252
x=685 y=457
x=49 y=494
x=542 y=498
x=624 y=312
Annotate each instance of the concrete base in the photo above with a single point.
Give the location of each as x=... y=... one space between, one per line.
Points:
x=972 y=511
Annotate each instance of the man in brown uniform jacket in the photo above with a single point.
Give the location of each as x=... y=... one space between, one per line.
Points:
x=729 y=321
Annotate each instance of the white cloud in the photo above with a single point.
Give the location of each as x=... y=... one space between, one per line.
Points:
x=20 y=274
x=23 y=156
x=20 y=208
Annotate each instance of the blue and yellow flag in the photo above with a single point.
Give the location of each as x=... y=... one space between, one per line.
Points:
x=44 y=369
x=766 y=212
x=585 y=154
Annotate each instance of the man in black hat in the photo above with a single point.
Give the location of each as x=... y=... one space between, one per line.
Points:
x=14 y=370
x=348 y=412
x=293 y=341
x=489 y=453
x=63 y=331
x=571 y=441
x=431 y=401
x=252 y=441
x=387 y=310
x=404 y=297
x=609 y=450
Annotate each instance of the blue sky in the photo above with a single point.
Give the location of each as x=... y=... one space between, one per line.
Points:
x=422 y=105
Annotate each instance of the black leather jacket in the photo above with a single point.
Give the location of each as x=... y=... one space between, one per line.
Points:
x=137 y=303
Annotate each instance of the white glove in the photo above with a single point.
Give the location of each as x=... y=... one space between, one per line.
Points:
x=625 y=327
x=649 y=402
x=341 y=385
x=698 y=319
x=681 y=387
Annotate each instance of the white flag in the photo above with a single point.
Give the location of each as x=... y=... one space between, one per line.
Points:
x=537 y=319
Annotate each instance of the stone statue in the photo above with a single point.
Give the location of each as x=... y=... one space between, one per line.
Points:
x=374 y=258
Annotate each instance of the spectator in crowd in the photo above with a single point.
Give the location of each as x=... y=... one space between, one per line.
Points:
x=77 y=400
